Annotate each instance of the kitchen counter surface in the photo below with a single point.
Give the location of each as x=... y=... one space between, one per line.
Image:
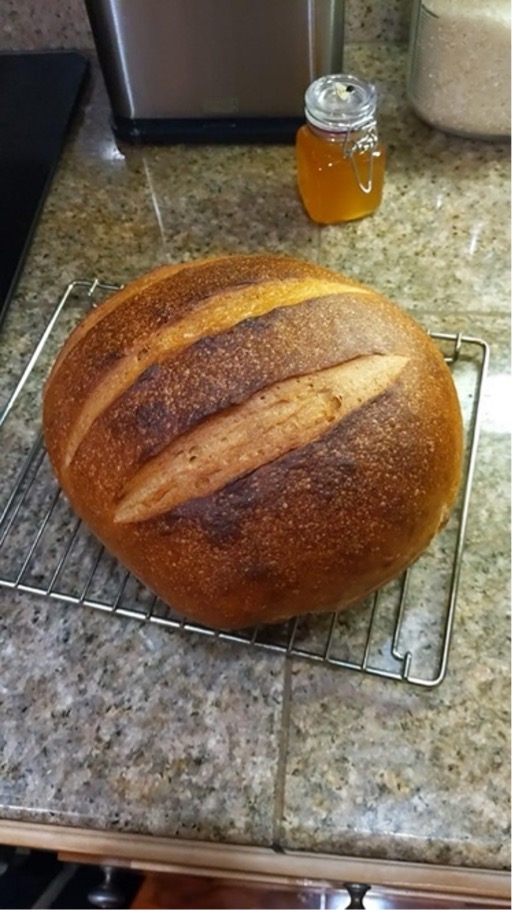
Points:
x=110 y=724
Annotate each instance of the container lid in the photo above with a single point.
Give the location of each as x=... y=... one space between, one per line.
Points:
x=340 y=102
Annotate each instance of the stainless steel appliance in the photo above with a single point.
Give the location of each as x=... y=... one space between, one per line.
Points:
x=214 y=70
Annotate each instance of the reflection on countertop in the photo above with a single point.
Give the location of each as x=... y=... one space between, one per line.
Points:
x=115 y=725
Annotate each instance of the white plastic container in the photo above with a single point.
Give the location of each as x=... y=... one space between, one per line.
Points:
x=459 y=71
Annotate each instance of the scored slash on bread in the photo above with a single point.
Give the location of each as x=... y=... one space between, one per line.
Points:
x=285 y=416
x=255 y=436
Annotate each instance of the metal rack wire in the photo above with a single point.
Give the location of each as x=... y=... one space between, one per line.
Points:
x=403 y=632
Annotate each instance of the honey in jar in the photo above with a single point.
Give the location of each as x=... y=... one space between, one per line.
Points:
x=340 y=161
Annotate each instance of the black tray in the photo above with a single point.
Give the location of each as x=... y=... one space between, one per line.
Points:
x=38 y=93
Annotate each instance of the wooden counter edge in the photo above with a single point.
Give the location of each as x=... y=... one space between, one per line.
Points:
x=251 y=863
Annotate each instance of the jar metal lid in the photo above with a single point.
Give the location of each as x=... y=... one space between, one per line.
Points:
x=340 y=102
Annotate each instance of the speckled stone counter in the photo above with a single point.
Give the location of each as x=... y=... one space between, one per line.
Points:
x=111 y=724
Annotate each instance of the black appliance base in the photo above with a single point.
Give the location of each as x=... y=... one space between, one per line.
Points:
x=229 y=130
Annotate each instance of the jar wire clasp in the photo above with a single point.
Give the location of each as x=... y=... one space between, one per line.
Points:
x=365 y=141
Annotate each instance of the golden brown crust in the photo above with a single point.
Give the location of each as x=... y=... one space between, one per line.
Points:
x=316 y=525
x=283 y=418
x=114 y=344
x=316 y=334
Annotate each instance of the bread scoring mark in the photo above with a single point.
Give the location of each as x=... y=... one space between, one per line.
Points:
x=170 y=398
x=215 y=314
x=112 y=303
x=156 y=281
x=238 y=440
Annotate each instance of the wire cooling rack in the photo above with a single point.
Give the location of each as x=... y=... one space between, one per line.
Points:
x=402 y=632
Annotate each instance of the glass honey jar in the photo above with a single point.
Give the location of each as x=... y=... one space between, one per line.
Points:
x=340 y=161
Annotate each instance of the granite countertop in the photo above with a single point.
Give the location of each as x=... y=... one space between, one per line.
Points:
x=111 y=724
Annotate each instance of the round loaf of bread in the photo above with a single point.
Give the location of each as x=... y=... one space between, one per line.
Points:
x=255 y=437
